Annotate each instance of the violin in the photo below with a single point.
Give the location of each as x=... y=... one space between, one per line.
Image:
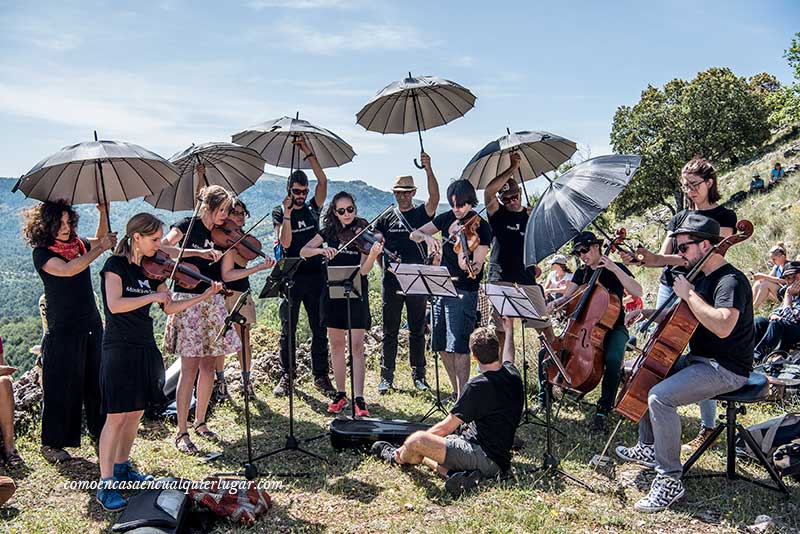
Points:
x=229 y=234
x=160 y=267
x=580 y=346
x=467 y=240
x=360 y=237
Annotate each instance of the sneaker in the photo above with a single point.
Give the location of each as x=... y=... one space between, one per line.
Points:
x=462 y=481
x=701 y=438
x=283 y=386
x=110 y=499
x=323 y=383
x=126 y=472
x=338 y=403
x=421 y=385
x=383 y=450
x=598 y=425
x=640 y=453
x=385 y=386
x=361 y=408
x=664 y=491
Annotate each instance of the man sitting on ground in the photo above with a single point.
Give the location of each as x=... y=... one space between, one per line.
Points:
x=490 y=408
x=783 y=325
x=757 y=184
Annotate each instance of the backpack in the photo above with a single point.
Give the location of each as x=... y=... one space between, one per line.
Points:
x=787 y=459
x=770 y=435
x=154 y=511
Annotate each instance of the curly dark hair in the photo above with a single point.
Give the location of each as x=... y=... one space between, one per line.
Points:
x=42 y=222
x=330 y=222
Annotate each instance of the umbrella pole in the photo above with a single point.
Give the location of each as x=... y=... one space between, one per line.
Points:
x=103 y=186
x=419 y=132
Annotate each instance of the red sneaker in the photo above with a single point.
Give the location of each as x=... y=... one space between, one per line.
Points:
x=361 y=408
x=338 y=403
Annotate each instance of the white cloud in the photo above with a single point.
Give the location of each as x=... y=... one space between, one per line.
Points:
x=302 y=4
x=359 y=37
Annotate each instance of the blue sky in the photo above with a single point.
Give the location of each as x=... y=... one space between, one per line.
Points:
x=169 y=73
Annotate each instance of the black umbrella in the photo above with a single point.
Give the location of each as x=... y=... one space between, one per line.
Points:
x=573 y=201
x=415 y=104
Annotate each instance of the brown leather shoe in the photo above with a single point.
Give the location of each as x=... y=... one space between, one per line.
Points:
x=701 y=438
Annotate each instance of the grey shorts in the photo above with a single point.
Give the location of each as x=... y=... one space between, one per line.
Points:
x=462 y=455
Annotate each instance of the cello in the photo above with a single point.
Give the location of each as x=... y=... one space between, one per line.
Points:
x=580 y=346
x=669 y=340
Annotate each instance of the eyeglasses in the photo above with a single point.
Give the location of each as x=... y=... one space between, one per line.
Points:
x=299 y=192
x=582 y=250
x=683 y=247
x=348 y=209
x=238 y=213
x=509 y=198
x=691 y=186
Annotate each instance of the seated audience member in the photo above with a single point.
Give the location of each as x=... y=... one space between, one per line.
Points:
x=766 y=286
x=489 y=409
x=782 y=328
x=757 y=184
x=556 y=282
x=9 y=452
x=776 y=175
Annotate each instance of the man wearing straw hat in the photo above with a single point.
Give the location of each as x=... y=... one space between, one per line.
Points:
x=396 y=226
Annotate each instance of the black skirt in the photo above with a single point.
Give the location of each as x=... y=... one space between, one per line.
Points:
x=334 y=311
x=131 y=377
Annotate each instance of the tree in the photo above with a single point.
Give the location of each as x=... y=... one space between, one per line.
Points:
x=792 y=55
x=784 y=104
x=716 y=115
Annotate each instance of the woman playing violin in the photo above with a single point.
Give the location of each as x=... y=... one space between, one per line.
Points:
x=616 y=278
x=454 y=318
x=235 y=274
x=340 y=217
x=190 y=334
x=132 y=370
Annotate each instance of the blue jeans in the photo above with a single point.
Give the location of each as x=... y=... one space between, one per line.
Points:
x=771 y=334
x=708 y=408
x=453 y=322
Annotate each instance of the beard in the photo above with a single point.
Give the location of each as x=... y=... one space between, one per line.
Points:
x=298 y=201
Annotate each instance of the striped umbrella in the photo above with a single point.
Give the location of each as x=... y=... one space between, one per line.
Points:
x=415 y=104
x=231 y=166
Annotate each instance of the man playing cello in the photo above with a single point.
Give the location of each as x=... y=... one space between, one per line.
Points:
x=719 y=360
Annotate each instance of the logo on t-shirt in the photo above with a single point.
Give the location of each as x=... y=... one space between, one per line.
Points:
x=208 y=244
x=144 y=283
x=301 y=224
x=515 y=227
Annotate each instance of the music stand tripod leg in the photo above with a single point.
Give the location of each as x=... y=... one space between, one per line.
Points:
x=437 y=403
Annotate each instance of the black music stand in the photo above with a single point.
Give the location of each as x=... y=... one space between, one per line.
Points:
x=511 y=301
x=341 y=285
x=279 y=284
x=432 y=281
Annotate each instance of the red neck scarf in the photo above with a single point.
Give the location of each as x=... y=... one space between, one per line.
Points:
x=69 y=250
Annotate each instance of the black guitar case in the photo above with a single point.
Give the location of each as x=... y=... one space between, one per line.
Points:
x=362 y=433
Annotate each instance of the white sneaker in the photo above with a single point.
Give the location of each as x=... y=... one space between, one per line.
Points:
x=664 y=491
x=640 y=453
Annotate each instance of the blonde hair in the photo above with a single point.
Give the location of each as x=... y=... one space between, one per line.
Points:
x=141 y=223
x=779 y=248
x=214 y=197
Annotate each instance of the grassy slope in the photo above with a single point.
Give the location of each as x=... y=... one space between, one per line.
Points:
x=356 y=494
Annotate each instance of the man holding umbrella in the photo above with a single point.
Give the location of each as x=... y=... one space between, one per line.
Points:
x=296 y=221
x=509 y=220
x=396 y=227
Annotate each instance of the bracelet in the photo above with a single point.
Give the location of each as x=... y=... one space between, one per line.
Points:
x=309 y=156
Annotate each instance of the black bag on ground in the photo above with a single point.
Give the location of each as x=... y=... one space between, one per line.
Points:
x=362 y=433
x=787 y=459
x=154 y=511
x=771 y=434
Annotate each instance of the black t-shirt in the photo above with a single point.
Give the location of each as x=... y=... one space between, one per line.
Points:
x=134 y=327
x=70 y=299
x=345 y=258
x=443 y=222
x=727 y=287
x=491 y=404
x=505 y=261
x=397 y=240
x=609 y=280
x=199 y=239
x=243 y=284
x=724 y=216
x=305 y=225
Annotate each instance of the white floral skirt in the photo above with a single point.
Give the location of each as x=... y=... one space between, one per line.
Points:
x=191 y=333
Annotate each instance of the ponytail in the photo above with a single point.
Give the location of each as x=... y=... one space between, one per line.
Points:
x=141 y=223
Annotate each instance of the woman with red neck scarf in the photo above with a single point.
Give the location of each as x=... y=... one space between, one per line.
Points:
x=72 y=343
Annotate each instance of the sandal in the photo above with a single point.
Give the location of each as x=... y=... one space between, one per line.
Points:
x=208 y=434
x=185 y=445
x=13 y=459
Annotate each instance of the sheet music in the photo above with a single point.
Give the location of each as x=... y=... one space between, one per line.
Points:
x=510 y=301
x=418 y=279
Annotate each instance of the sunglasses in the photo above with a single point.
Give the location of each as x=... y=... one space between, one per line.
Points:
x=510 y=198
x=299 y=192
x=582 y=250
x=683 y=247
x=348 y=209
